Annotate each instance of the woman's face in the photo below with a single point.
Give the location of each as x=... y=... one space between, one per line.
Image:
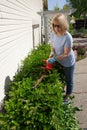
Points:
x=57 y=27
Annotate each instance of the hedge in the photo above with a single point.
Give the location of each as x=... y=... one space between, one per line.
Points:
x=40 y=108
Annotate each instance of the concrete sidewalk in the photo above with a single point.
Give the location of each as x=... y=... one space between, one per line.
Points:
x=80 y=91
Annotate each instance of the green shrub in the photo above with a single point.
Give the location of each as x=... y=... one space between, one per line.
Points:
x=33 y=109
x=41 y=108
x=81 y=51
x=32 y=63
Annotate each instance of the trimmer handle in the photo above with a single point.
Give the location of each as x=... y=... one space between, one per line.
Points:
x=49 y=66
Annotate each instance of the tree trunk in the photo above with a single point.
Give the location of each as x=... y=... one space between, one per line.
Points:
x=45 y=5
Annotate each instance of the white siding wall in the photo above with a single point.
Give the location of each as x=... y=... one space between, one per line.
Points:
x=16 y=38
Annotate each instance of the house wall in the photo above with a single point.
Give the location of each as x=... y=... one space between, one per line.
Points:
x=17 y=18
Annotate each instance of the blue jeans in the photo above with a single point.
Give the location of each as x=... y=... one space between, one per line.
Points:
x=69 y=77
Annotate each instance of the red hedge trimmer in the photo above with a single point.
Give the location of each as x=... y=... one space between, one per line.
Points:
x=49 y=66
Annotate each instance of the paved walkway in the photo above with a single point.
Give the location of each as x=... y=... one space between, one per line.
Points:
x=80 y=91
x=80 y=40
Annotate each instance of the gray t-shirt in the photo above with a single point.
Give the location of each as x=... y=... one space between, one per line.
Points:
x=58 y=43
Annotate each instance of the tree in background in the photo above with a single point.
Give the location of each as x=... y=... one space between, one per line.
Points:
x=80 y=5
x=80 y=14
x=66 y=7
x=45 y=4
x=56 y=7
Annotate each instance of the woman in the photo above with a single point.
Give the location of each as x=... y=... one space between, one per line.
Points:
x=61 y=45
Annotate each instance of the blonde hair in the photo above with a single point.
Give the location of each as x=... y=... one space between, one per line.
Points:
x=61 y=20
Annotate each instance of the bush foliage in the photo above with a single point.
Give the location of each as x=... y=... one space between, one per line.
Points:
x=41 y=108
x=81 y=51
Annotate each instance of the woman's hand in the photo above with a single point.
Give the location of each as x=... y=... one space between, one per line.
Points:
x=52 y=52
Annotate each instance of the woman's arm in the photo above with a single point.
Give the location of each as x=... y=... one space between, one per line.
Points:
x=65 y=54
x=52 y=52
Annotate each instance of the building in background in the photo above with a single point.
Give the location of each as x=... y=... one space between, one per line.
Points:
x=20 y=32
x=46 y=17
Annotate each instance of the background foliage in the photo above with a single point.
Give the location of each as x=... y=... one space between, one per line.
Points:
x=80 y=5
